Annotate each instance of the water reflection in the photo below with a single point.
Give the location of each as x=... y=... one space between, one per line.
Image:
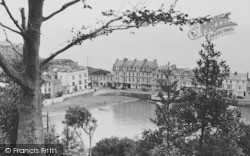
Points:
x=124 y=120
x=133 y=113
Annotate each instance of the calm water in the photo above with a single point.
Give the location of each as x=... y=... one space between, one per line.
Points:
x=125 y=120
x=122 y=120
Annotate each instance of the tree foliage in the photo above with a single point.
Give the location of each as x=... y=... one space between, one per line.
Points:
x=81 y=118
x=9 y=100
x=206 y=109
x=72 y=142
x=114 y=146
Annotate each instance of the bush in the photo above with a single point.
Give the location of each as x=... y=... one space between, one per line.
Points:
x=239 y=97
x=59 y=93
x=109 y=84
x=244 y=140
x=47 y=96
x=114 y=146
x=144 y=89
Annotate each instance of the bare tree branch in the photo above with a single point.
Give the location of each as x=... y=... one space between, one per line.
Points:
x=65 y=6
x=11 y=16
x=78 y=40
x=130 y=19
x=10 y=71
x=12 y=45
x=15 y=31
x=23 y=19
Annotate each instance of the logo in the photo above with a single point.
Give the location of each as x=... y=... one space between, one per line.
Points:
x=217 y=26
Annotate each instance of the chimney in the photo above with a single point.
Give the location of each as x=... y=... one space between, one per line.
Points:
x=173 y=66
x=145 y=60
x=125 y=59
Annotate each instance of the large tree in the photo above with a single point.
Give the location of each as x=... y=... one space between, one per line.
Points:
x=30 y=129
x=206 y=108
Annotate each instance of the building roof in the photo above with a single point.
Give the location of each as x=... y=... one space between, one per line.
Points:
x=48 y=79
x=135 y=63
x=118 y=63
x=238 y=76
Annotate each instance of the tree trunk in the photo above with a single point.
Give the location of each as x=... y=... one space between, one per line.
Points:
x=12 y=133
x=90 y=145
x=200 y=152
x=30 y=130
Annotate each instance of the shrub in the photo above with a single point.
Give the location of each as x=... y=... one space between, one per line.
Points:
x=114 y=146
x=59 y=93
x=47 y=96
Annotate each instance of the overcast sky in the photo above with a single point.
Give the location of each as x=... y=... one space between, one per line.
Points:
x=164 y=43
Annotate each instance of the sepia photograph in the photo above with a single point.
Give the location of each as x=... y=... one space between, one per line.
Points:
x=124 y=78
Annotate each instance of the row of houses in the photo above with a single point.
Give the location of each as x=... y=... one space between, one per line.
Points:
x=146 y=74
x=66 y=76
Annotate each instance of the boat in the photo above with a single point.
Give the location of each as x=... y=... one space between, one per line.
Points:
x=150 y=101
x=103 y=109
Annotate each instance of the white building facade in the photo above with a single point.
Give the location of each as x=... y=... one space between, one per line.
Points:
x=236 y=84
x=74 y=80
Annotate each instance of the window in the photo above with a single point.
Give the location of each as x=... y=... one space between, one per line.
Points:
x=80 y=87
x=85 y=75
x=80 y=76
x=239 y=87
x=80 y=82
x=73 y=83
x=49 y=89
x=85 y=81
x=73 y=77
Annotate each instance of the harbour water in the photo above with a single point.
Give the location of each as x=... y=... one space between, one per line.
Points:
x=125 y=120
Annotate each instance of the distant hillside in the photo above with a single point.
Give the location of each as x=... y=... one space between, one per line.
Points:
x=95 y=71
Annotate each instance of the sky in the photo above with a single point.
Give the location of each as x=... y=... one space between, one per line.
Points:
x=163 y=42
